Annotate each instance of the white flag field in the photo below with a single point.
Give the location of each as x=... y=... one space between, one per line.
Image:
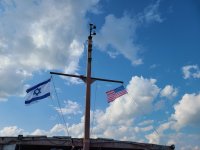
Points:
x=38 y=92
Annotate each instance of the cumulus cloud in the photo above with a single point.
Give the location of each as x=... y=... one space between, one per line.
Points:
x=54 y=39
x=74 y=130
x=169 y=92
x=11 y=131
x=10 y=85
x=187 y=142
x=187 y=111
x=30 y=42
x=71 y=107
x=141 y=94
x=186 y=114
x=39 y=132
x=139 y=101
x=191 y=71
x=121 y=39
x=119 y=115
x=157 y=135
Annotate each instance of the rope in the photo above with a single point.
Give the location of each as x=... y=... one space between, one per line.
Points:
x=62 y=116
x=53 y=103
x=95 y=96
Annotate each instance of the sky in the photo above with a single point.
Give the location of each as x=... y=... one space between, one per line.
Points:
x=153 y=46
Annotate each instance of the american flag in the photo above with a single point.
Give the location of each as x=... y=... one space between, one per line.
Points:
x=113 y=94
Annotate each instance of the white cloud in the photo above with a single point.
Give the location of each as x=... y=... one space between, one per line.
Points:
x=187 y=142
x=54 y=39
x=71 y=107
x=186 y=114
x=169 y=91
x=75 y=130
x=59 y=129
x=146 y=122
x=145 y=129
x=187 y=111
x=11 y=131
x=141 y=93
x=122 y=120
x=157 y=135
x=39 y=132
x=191 y=71
x=8 y=84
x=120 y=38
x=30 y=42
x=138 y=101
x=151 y=13
x=118 y=35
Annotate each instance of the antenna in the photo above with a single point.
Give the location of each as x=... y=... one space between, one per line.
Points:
x=92 y=29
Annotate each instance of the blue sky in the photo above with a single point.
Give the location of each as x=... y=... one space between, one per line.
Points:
x=153 y=46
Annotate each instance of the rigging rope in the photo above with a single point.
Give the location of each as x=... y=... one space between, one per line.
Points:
x=53 y=103
x=60 y=119
x=94 y=107
x=62 y=116
x=144 y=113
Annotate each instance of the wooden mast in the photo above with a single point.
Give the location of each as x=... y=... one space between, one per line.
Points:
x=86 y=140
x=88 y=80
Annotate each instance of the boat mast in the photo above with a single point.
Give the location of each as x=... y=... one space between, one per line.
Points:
x=88 y=80
x=86 y=140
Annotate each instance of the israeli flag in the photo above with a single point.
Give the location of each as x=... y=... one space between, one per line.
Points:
x=38 y=92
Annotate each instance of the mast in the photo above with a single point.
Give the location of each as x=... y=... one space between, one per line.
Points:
x=86 y=140
x=88 y=80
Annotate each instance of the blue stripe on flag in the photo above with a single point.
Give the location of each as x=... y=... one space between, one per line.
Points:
x=37 y=98
x=34 y=87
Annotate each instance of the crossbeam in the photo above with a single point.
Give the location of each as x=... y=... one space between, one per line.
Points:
x=82 y=77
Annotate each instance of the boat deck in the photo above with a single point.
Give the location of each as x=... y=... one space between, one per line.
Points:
x=68 y=143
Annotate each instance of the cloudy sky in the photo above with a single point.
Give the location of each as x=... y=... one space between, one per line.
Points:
x=153 y=46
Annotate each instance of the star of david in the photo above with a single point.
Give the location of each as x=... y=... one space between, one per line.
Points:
x=37 y=91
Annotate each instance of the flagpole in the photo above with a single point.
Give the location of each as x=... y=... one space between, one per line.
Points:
x=88 y=80
x=86 y=140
